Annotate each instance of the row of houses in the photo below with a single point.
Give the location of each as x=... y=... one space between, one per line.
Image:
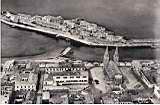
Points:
x=6 y=92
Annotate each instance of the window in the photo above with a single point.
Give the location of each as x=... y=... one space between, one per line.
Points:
x=24 y=86
x=55 y=69
x=77 y=76
x=28 y=86
x=48 y=69
x=65 y=77
x=57 y=77
x=17 y=86
x=62 y=69
x=84 y=76
x=72 y=77
x=82 y=68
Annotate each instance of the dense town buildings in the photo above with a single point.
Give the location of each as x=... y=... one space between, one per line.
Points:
x=75 y=29
x=72 y=81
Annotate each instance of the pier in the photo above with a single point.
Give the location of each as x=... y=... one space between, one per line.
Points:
x=65 y=51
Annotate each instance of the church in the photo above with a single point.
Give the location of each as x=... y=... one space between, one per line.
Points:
x=111 y=69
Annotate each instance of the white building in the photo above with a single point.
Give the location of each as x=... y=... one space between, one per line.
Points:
x=88 y=26
x=6 y=91
x=45 y=95
x=12 y=17
x=113 y=38
x=8 y=65
x=136 y=64
x=157 y=91
x=26 y=81
x=147 y=62
x=125 y=64
x=4 y=99
x=71 y=80
x=61 y=67
x=51 y=82
x=69 y=23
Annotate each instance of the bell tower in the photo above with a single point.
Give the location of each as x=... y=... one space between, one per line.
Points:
x=106 y=58
x=116 y=56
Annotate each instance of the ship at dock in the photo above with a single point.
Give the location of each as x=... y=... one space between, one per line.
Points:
x=75 y=29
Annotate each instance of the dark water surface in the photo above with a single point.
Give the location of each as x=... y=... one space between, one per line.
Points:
x=131 y=18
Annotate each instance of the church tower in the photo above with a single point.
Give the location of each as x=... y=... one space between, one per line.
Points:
x=106 y=58
x=158 y=77
x=116 y=56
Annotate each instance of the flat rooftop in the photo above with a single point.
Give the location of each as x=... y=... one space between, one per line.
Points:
x=132 y=81
x=98 y=74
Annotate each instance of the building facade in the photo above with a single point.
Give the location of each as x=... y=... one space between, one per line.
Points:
x=26 y=81
x=71 y=80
